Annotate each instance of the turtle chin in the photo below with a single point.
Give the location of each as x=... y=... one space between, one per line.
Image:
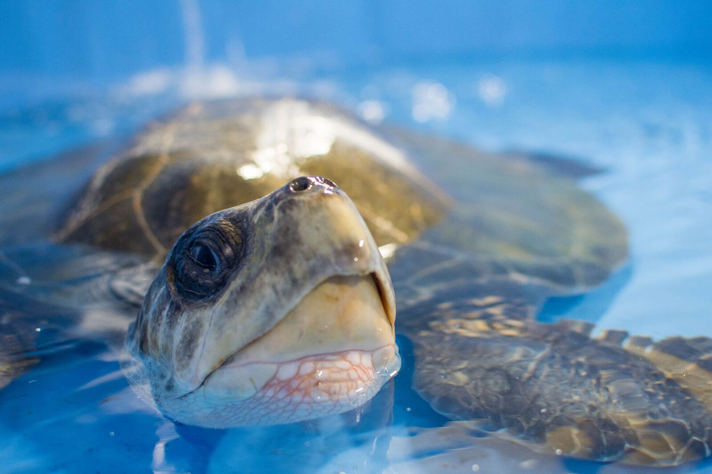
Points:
x=331 y=353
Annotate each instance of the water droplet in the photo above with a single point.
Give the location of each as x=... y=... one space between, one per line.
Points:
x=492 y=90
x=528 y=464
x=250 y=171
x=372 y=111
x=475 y=467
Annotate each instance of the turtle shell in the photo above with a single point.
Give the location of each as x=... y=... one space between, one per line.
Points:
x=212 y=156
x=521 y=215
x=471 y=274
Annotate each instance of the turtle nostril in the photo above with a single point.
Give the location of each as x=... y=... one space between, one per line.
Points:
x=329 y=182
x=300 y=184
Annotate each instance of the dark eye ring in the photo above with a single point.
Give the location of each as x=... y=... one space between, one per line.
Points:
x=204 y=256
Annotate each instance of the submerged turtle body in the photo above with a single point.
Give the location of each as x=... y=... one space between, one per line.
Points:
x=469 y=306
x=482 y=358
x=472 y=269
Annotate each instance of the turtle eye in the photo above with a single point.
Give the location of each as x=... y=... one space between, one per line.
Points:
x=203 y=261
x=205 y=257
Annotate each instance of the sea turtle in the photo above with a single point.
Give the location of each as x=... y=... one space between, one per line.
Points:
x=471 y=267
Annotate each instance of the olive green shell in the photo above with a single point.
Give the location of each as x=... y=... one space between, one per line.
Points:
x=215 y=155
x=522 y=213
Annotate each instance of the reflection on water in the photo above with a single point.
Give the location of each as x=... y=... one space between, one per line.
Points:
x=589 y=306
x=75 y=412
x=648 y=124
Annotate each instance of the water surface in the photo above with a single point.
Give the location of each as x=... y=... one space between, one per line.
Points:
x=648 y=123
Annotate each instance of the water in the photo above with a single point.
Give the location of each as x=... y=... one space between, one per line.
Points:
x=647 y=122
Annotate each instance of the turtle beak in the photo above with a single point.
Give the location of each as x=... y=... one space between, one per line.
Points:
x=385 y=291
x=303 y=235
x=310 y=292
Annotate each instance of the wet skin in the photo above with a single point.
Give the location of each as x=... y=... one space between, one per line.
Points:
x=275 y=311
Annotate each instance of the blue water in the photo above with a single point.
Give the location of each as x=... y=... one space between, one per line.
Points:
x=647 y=122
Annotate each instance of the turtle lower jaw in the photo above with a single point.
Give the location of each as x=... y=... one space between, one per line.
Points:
x=331 y=353
x=291 y=391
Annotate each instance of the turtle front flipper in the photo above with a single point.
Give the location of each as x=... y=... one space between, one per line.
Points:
x=52 y=294
x=554 y=388
x=28 y=330
x=16 y=340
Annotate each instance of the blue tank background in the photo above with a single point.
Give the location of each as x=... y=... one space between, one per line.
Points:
x=625 y=85
x=102 y=40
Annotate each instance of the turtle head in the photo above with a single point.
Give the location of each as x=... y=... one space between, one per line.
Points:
x=271 y=312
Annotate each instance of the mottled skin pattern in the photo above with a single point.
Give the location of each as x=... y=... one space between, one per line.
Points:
x=482 y=358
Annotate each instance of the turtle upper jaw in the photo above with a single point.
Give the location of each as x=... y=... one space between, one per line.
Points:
x=343 y=313
x=299 y=240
